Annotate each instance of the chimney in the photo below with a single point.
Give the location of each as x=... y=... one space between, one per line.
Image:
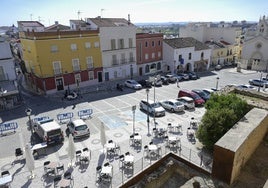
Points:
x=56 y=22
x=128 y=21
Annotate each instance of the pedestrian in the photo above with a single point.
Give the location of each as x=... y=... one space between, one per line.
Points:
x=178 y=83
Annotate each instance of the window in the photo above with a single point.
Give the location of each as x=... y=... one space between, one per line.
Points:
x=123 y=58
x=147 y=69
x=115 y=74
x=87 y=45
x=113 y=46
x=146 y=56
x=153 y=55
x=190 y=56
x=96 y=44
x=57 y=67
x=130 y=43
x=91 y=75
x=73 y=47
x=53 y=48
x=89 y=61
x=146 y=44
x=29 y=49
x=152 y=43
x=121 y=43
x=159 y=43
x=114 y=61
x=159 y=54
x=75 y=63
x=2 y=74
x=131 y=57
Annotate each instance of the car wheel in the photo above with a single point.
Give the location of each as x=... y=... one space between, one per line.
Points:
x=172 y=110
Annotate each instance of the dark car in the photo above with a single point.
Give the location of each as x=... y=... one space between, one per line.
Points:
x=197 y=99
x=164 y=80
x=145 y=83
x=184 y=76
x=192 y=75
x=202 y=94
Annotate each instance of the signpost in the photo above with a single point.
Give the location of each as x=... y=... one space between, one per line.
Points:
x=85 y=114
x=8 y=126
x=65 y=116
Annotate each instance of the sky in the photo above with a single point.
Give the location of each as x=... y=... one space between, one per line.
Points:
x=141 y=11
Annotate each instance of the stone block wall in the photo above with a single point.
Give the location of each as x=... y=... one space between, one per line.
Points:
x=234 y=149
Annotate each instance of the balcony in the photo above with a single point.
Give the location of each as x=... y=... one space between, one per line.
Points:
x=115 y=62
x=123 y=61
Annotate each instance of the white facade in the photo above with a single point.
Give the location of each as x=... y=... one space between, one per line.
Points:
x=254 y=50
x=185 y=58
x=203 y=33
x=118 y=47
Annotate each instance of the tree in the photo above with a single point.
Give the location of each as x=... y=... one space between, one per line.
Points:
x=223 y=111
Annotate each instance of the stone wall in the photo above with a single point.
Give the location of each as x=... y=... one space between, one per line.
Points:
x=234 y=149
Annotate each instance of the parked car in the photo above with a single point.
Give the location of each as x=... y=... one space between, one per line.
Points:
x=132 y=84
x=197 y=99
x=202 y=94
x=257 y=82
x=157 y=83
x=164 y=80
x=173 y=105
x=187 y=101
x=153 y=108
x=192 y=75
x=218 y=67
x=78 y=128
x=208 y=91
x=184 y=76
x=245 y=87
x=172 y=78
x=145 y=83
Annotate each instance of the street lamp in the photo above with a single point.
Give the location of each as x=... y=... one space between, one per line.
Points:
x=28 y=112
x=260 y=83
x=148 y=120
x=217 y=83
x=155 y=79
x=131 y=71
x=133 y=110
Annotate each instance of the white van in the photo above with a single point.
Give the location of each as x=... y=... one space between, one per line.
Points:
x=49 y=131
x=187 y=101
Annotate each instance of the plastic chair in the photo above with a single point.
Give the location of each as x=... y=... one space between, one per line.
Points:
x=18 y=152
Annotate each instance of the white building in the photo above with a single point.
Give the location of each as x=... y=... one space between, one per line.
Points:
x=118 y=46
x=254 y=50
x=206 y=32
x=185 y=54
x=30 y=26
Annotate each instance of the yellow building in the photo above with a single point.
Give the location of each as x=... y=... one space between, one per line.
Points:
x=59 y=60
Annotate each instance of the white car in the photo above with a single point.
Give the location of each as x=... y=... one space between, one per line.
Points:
x=133 y=84
x=78 y=128
x=187 y=101
x=173 y=105
x=152 y=107
x=246 y=87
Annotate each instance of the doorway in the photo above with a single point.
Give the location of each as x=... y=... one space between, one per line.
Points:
x=100 y=76
x=59 y=84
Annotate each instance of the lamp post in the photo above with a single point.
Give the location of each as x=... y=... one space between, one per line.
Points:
x=148 y=120
x=217 y=83
x=28 y=112
x=133 y=110
x=260 y=84
x=155 y=79
x=131 y=71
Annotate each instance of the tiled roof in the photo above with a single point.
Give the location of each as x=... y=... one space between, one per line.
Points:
x=82 y=23
x=110 y=22
x=185 y=43
x=30 y=24
x=55 y=27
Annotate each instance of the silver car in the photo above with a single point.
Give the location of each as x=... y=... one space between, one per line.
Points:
x=152 y=107
x=173 y=105
x=133 y=84
x=187 y=101
x=78 y=128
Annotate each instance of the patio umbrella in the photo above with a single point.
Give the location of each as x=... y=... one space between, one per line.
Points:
x=71 y=148
x=102 y=136
x=29 y=159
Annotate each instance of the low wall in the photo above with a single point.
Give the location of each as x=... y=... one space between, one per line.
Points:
x=234 y=149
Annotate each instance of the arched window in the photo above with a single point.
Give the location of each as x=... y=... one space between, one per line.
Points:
x=202 y=55
x=190 y=56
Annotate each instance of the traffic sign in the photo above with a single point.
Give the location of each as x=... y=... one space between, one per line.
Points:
x=85 y=113
x=8 y=126
x=65 y=116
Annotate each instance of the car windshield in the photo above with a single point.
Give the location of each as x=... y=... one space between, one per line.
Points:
x=155 y=105
x=178 y=103
x=81 y=127
x=133 y=82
